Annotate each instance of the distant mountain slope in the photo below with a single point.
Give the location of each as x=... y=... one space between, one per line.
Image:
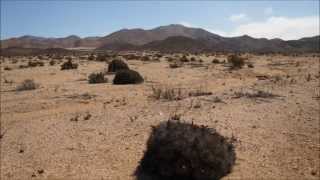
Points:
x=177 y=44
x=306 y=44
x=168 y=38
x=43 y=43
x=18 y=51
x=140 y=36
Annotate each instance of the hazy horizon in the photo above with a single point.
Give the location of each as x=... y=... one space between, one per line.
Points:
x=286 y=20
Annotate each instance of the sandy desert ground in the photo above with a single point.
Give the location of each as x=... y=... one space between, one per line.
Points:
x=70 y=129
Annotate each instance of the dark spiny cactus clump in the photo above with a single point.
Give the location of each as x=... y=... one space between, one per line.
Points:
x=69 y=65
x=95 y=78
x=117 y=65
x=182 y=151
x=127 y=77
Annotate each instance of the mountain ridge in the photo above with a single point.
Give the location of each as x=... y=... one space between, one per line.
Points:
x=158 y=39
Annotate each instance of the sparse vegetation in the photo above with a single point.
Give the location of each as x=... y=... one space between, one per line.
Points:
x=35 y=63
x=69 y=65
x=200 y=92
x=95 y=78
x=127 y=76
x=167 y=93
x=250 y=65
x=255 y=94
x=236 y=62
x=145 y=58
x=52 y=62
x=178 y=150
x=175 y=64
x=91 y=57
x=215 y=61
x=27 y=84
x=117 y=65
x=7 y=68
x=184 y=59
x=102 y=58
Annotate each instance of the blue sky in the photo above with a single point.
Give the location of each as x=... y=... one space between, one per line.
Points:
x=284 y=19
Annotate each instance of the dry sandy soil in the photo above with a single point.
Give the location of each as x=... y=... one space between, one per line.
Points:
x=47 y=133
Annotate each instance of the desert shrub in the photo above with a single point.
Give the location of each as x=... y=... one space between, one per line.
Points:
x=7 y=68
x=40 y=57
x=167 y=93
x=8 y=81
x=27 y=84
x=32 y=63
x=101 y=57
x=181 y=151
x=175 y=65
x=40 y=63
x=250 y=65
x=127 y=76
x=35 y=63
x=200 y=92
x=215 y=61
x=145 y=58
x=91 y=57
x=184 y=59
x=256 y=94
x=58 y=57
x=158 y=55
x=69 y=58
x=97 y=78
x=192 y=59
x=52 y=63
x=21 y=66
x=69 y=65
x=131 y=56
x=235 y=61
x=14 y=61
x=117 y=65
x=170 y=59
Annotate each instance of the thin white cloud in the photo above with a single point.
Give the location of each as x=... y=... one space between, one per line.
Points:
x=286 y=28
x=268 y=11
x=218 y=32
x=238 y=17
x=277 y=27
x=184 y=23
x=281 y=27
